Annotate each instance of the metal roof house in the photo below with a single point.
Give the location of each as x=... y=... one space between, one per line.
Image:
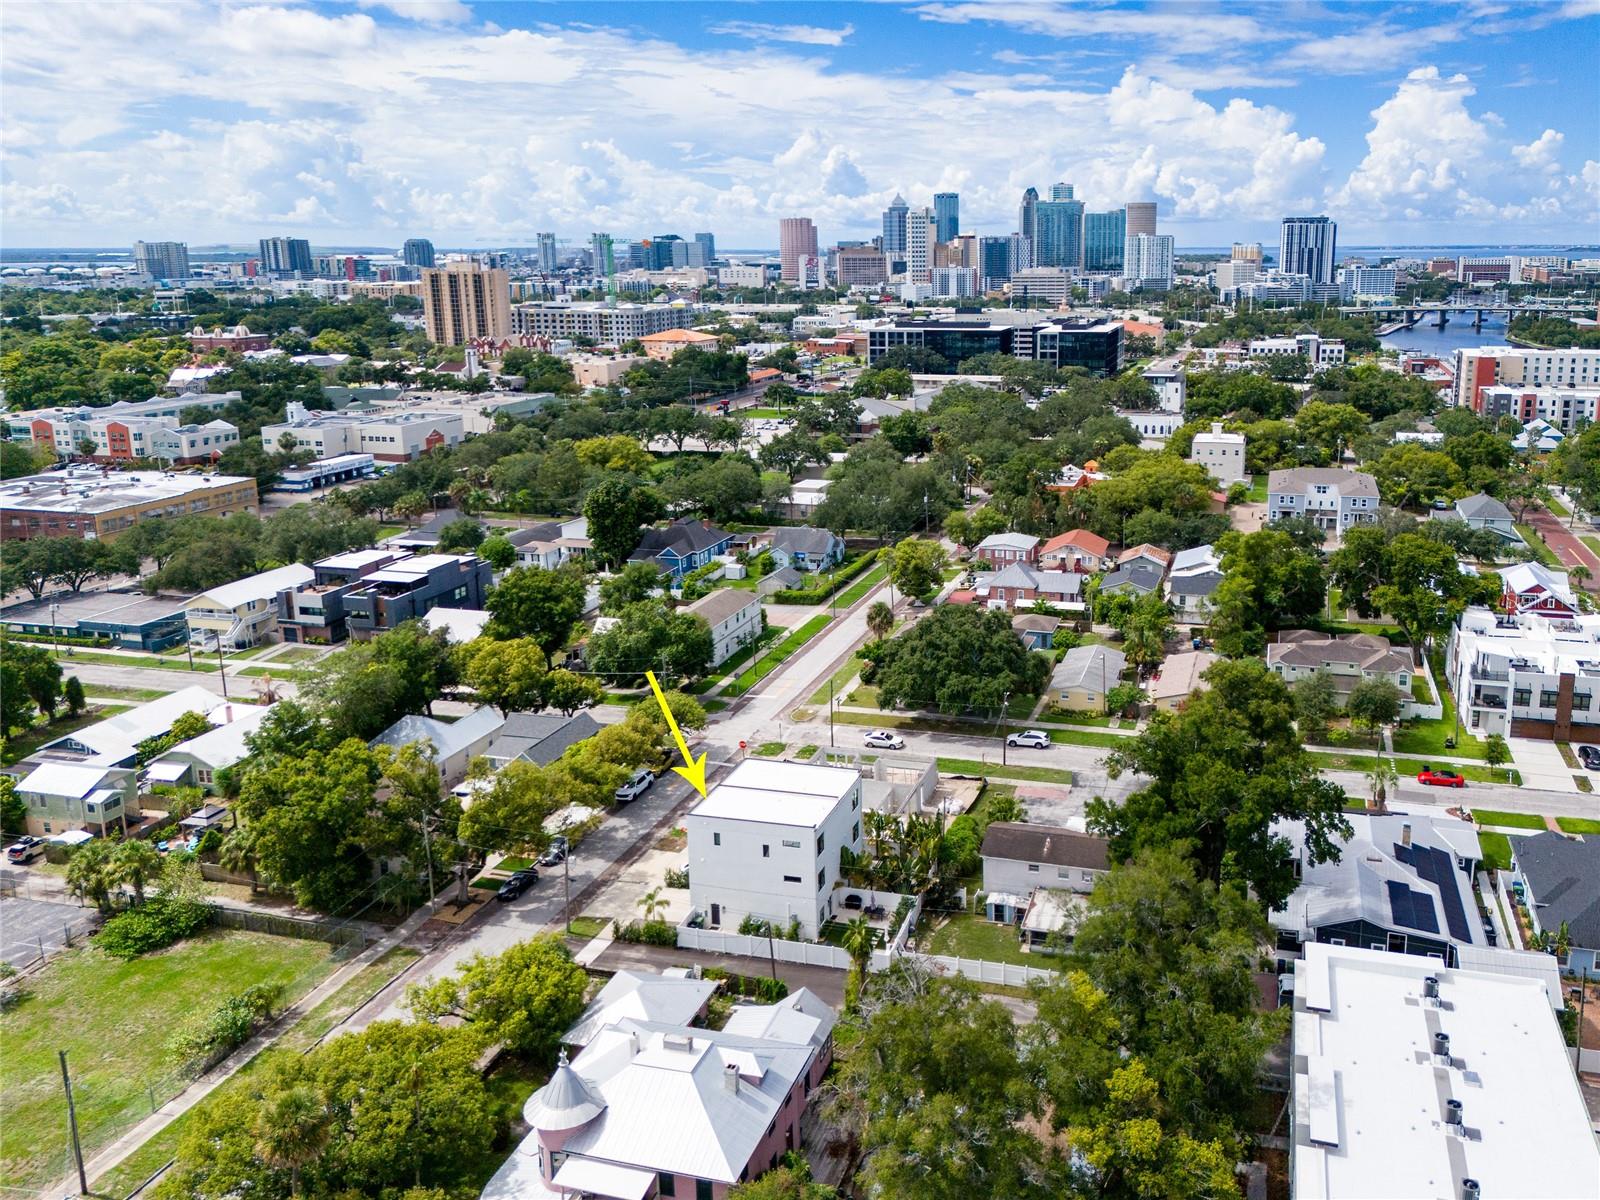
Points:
x=1560 y=877
x=454 y=744
x=1403 y=882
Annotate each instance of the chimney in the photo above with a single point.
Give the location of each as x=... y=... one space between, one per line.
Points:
x=1405 y=834
x=1441 y=1047
x=1452 y=1112
x=1216 y=427
x=730 y=1077
x=633 y=1043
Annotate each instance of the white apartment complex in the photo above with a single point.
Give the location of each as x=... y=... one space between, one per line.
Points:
x=735 y=618
x=607 y=324
x=1526 y=675
x=765 y=843
x=1318 y=352
x=1411 y=1078
x=1147 y=260
x=1562 y=407
x=1220 y=453
x=1170 y=380
x=1517 y=367
x=387 y=436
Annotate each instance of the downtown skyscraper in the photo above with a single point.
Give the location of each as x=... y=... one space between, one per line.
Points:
x=1308 y=246
x=797 y=242
x=947 y=215
x=1058 y=237
x=894 y=228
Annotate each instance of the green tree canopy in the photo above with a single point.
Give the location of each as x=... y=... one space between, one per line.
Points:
x=957 y=658
x=524 y=998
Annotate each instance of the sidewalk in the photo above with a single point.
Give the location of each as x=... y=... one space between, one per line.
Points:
x=197 y=1091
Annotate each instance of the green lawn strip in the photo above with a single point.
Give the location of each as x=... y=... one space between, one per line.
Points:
x=296 y=654
x=273 y=670
x=157 y=662
x=1060 y=716
x=1496 y=850
x=805 y=752
x=1492 y=816
x=354 y=992
x=971 y=766
x=1578 y=824
x=29 y=740
x=771 y=749
x=713 y=706
x=1558 y=508
x=587 y=927
x=117 y=1067
x=770 y=661
x=964 y=936
x=1258 y=489
x=767 y=413
x=251 y=652
x=1540 y=551
x=111 y=691
x=863 y=585
x=1426 y=738
x=850 y=669
x=732 y=663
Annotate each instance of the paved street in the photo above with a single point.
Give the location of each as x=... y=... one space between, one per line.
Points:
x=1564 y=541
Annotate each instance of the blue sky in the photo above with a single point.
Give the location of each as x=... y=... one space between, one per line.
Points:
x=484 y=123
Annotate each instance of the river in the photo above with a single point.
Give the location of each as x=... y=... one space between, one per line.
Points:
x=1459 y=334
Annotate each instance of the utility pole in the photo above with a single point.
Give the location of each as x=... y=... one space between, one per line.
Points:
x=427 y=842
x=222 y=669
x=1004 y=701
x=72 y=1124
x=830 y=713
x=566 y=871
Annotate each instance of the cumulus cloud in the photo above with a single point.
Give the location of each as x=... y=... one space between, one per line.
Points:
x=1541 y=154
x=809 y=35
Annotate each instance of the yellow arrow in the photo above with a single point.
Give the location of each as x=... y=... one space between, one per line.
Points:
x=695 y=771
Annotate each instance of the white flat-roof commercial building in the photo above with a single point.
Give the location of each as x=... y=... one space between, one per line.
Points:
x=1412 y=1079
x=765 y=843
x=1318 y=352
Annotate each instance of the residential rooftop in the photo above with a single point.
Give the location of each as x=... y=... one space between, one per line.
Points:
x=778 y=793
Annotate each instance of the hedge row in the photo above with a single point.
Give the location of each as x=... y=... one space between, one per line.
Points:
x=841 y=578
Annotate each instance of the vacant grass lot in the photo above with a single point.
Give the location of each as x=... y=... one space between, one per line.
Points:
x=964 y=936
x=971 y=766
x=1578 y=825
x=113 y=1019
x=1540 y=551
x=1496 y=850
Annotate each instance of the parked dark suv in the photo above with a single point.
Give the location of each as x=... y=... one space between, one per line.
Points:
x=1589 y=756
x=519 y=882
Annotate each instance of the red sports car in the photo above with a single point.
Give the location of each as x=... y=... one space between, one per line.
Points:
x=1440 y=778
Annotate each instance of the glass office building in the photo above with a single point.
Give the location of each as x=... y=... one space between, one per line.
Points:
x=1103 y=235
x=946 y=215
x=1058 y=238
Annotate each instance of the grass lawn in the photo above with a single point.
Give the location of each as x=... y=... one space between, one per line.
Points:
x=588 y=927
x=971 y=766
x=863 y=585
x=1258 y=489
x=768 y=413
x=296 y=654
x=354 y=992
x=732 y=663
x=965 y=936
x=29 y=740
x=771 y=749
x=1578 y=825
x=1555 y=506
x=805 y=752
x=850 y=669
x=1426 y=738
x=1496 y=850
x=273 y=670
x=1540 y=551
x=1492 y=816
x=770 y=661
x=113 y=1019
x=111 y=691
x=101 y=658
x=1408 y=767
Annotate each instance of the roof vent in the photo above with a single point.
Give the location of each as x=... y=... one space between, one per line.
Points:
x=1441 y=1046
x=677 y=1041
x=1452 y=1112
x=730 y=1077
x=1430 y=987
x=1470 y=1189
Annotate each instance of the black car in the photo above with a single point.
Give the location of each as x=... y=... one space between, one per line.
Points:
x=1589 y=756
x=555 y=854
x=519 y=882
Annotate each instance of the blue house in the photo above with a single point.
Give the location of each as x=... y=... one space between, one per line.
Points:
x=682 y=546
x=807 y=549
x=1037 y=630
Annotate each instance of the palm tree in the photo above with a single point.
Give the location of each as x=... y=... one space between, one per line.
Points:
x=91 y=874
x=880 y=620
x=859 y=940
x=136 y=863
x=1381 y=776
x=238 y=854
x=292 y=1131
x=654 y=906
x=1580 y=574
x=1563 y=941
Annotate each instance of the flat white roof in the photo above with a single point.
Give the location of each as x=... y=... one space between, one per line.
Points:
x=778 y=793
x=264 y=586
x=352 y=560
x=1370 y=1098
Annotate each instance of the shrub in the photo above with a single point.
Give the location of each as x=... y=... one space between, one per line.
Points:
x=677 y=877
x=159 y=921
x=211 y=843
x=649 y=933
x=207 y=1041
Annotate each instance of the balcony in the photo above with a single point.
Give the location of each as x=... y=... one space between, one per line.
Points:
x=1489 y=676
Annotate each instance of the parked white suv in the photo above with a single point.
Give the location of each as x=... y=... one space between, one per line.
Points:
x=638 y=784
x=1033 y=739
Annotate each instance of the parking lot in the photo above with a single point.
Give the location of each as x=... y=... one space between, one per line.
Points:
x=29 y=928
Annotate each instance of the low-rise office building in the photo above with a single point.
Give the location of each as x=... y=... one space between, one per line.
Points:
x=1411 y=1078
x=1318 y=352
x=1095 y=346
x=129 y=619
x=92 y=502
x=314 y=611
x=765 y=843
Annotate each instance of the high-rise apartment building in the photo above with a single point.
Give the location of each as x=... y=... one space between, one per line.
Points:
x=1061 y=191
x=955 y=282
x=1246 y=252
x=601 y=255
x=1148 y=260
x=661 y=251
x=708 y=248
x=946 y=215
x=286 y=256
x=547 y=252
x=1019 y=252
x=1308 y=246
x=921 y=237
x=1058 y=238
x=1103 y=236
x=162 y=260
x=1140 y=216
x=462 y=301
x=894 y=227
x=994 y=262
x=1026 y=212
x=797 y=241
x=417 y=252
